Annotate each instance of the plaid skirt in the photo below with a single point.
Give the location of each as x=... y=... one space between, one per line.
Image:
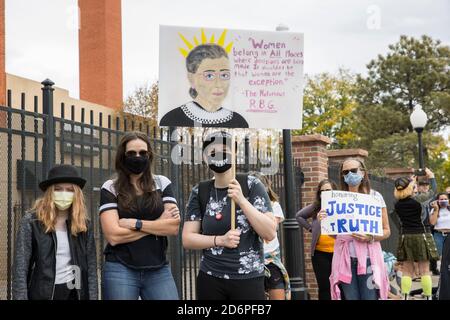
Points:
x=417 y=247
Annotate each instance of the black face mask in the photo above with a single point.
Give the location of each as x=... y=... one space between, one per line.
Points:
x=136 y=165
x=220 y=162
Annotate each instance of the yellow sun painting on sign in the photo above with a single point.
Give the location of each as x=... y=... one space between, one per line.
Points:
x=209 y=75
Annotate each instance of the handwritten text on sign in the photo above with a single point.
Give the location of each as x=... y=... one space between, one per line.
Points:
x=267 y=67
x=350 y=212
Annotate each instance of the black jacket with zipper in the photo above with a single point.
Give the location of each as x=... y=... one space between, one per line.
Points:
x=35 y=261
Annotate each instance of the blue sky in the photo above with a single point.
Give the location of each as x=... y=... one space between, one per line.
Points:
x=42 y=36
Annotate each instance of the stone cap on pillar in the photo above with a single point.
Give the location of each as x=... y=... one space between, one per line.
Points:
x=395 y=173
x=339 y=155
x=311 y=138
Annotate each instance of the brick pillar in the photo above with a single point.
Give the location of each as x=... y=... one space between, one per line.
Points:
x=395 y=173
x=312 y=153
x=338 y=156
x=100 y=45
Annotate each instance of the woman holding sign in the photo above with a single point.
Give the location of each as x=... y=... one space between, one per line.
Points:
x=358 y=266
x=416 y=243
x=232 y=265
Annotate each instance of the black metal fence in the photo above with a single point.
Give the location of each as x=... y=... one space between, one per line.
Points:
x=31 y=142
x=385 y=186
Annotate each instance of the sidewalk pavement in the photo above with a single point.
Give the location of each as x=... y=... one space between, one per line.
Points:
x=415 y=285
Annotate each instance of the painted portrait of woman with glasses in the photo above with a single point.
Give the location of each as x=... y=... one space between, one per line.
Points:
x=209 y=75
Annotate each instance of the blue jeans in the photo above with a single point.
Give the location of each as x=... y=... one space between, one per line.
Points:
x=439 y=238
x=361 y=287
x=122 y=283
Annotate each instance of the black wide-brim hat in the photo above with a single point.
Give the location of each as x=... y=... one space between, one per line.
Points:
x=62 y=174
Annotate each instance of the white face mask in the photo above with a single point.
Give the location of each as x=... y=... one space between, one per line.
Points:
x=63 y=199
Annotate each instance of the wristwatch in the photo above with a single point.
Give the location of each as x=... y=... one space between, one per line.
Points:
x=138 y=225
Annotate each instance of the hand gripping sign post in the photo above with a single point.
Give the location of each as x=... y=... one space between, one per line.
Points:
x=350 y=212
x=230 y=79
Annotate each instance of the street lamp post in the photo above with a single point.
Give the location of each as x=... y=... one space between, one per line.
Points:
x=293 y=235
x=418 y=120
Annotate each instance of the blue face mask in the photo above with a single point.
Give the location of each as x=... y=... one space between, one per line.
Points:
x=353 y=179
x=443 y=203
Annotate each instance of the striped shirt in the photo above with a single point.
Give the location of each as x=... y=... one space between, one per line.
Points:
x=148 y=252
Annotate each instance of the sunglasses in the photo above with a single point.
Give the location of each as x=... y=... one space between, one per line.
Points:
x=354 y=170
x=326 y=190
x=142 y=153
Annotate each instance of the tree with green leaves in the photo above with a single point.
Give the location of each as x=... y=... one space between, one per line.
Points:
x=328 y=105
x=414 y=71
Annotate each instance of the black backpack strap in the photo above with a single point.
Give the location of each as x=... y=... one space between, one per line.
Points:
x=242 y=178
x=204 y=188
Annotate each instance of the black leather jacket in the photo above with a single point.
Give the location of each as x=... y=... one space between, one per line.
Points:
x=35 y=262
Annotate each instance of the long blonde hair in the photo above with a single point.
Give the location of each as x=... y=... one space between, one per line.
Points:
x=46 y=211
x=400 y=194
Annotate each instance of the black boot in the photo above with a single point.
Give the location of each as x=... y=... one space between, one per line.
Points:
x=433 y=268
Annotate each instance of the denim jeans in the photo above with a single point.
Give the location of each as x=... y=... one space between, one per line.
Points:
x=361 y=287
x=122 y=283
x=439 y=238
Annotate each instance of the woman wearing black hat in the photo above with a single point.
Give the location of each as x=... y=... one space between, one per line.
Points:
x=232 y=266
x=55 y=255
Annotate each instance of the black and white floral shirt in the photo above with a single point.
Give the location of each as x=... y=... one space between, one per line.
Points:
x=247 y=260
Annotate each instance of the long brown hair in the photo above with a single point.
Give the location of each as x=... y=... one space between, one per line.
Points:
x=46 y=211
x=318 y=201
x=364 y=186
x=126 y=192
x=273 y=196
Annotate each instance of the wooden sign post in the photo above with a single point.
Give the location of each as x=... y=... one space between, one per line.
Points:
x=233 y=170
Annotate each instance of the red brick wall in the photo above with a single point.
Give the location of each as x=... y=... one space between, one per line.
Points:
x=100 y=45
x=311 y=151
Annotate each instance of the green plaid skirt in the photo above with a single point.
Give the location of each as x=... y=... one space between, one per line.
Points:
x=417 y=247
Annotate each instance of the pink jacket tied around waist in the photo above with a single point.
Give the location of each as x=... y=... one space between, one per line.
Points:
x=341 y=266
